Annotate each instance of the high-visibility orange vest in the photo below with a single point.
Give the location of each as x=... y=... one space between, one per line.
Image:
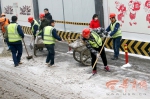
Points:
x=4 y=22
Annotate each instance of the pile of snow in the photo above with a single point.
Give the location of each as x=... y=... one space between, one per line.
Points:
x=38 y=40
x=76 y=44
x=126 y=65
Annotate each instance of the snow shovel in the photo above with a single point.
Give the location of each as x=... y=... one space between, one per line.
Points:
x=4 y=53
x=28 y=57
x=31 y=46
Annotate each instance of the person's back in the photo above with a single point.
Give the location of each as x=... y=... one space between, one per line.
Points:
x=15 y=36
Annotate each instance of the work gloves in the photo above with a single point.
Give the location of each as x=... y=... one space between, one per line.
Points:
x=105 y=33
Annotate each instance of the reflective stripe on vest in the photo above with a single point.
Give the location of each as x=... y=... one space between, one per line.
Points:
x=97 y=42
x=35 y=23
x=118 y=33
x=48 y=37
x=13 y=35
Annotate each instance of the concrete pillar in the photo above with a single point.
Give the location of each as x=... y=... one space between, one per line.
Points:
x=64 y=15
x=36 y=9
x=0 y=7
x=99 y=10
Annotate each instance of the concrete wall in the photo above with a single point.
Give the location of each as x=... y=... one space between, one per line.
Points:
x=55 y=8
x=0 y=7
x=137 y=28
x=70 y=11
x=72 y=16
x=22 y=8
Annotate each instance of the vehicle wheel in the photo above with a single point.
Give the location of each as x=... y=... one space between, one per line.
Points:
x=40 y=49
x=76 y=56
x=85 y=57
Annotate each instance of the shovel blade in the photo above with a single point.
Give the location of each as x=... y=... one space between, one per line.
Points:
x=29 y=57
x=31 y=46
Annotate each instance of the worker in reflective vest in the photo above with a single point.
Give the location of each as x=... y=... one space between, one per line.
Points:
x=3 y=28
x=116 y=35
x=5 y=23
x=94 y=44
x=49 y=37
x=15 y=36
x=34 y=26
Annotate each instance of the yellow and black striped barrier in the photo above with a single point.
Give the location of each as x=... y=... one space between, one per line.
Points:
x=62 y=34
x=27 y=30
x=73 y=23
x=135 y=47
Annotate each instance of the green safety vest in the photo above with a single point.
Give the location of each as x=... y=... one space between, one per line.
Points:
x=48 y=37
x=13 y=35
x=97 y=42
x=35 y=23
x=118 y=33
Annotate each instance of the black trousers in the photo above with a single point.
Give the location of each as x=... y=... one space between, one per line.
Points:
x=103 y=56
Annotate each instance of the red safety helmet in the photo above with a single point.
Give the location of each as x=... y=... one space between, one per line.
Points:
x=30 y=19
x=85 y=32
x=112 y=15
x=42 y=15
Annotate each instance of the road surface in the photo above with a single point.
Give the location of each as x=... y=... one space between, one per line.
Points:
x=69 y=79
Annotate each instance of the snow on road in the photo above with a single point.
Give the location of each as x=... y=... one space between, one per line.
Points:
x=67 y=80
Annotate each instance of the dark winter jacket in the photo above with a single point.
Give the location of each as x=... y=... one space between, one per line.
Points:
x=44 y=23
x=88 y=45
x=48 y=16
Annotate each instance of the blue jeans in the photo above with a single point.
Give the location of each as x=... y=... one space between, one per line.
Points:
x=116 y=45
x=16 y=50
x=8 y=45
x=51 y=53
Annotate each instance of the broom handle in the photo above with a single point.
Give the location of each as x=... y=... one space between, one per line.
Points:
x=99 y=53
x=25 y=47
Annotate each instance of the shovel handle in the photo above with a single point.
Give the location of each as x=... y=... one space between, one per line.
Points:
x=25 y=47
x=99 y=53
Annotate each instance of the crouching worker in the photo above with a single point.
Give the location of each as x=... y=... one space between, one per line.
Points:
x=94 y=44
x=34 y=26
x=49 y=38
x=15 y=36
